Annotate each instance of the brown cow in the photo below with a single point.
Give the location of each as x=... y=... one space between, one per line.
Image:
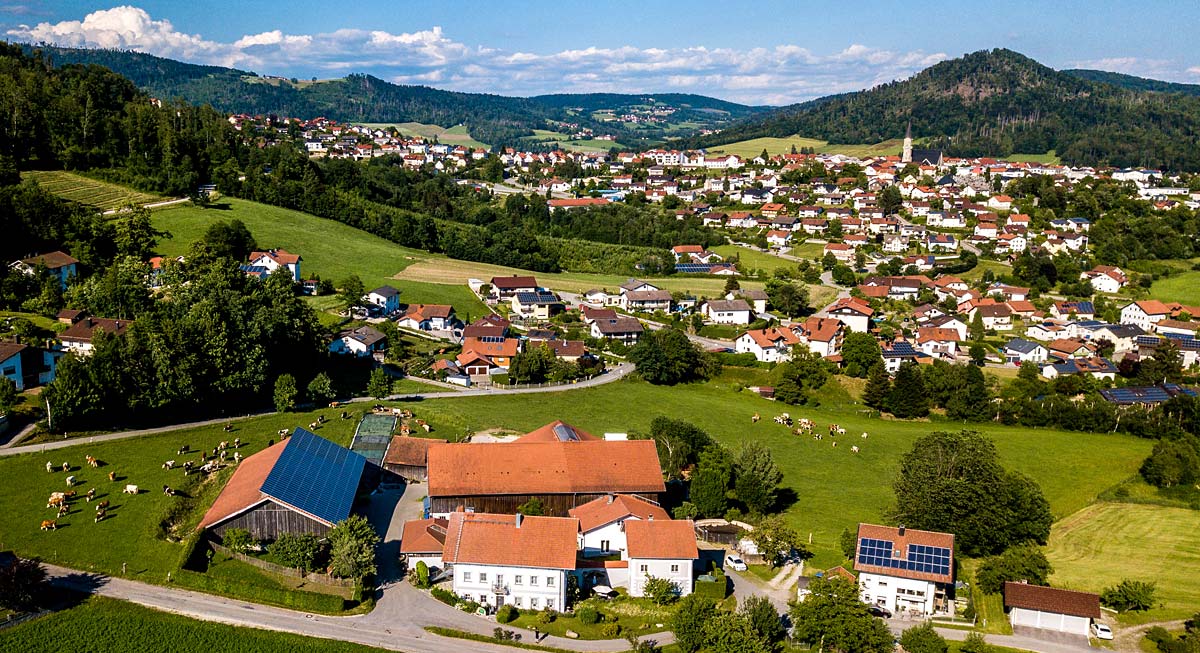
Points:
x=102 y=505
x=100 y=515
x=49 y=524
x=112 y=476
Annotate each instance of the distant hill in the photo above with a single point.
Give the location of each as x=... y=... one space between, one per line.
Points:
x=489 y=118
x=1134 y=83
x=996 y=103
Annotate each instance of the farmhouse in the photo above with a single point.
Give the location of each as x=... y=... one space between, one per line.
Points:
x=1051 y=608
x=263 y=263
x=602 y=522
x=79 y=336
x=727 y=311
x=558 y=464
x=359 y=341
x=304 y=484
x=905 y=569
x=661 y=549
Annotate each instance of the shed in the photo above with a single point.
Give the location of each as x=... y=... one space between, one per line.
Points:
x=1051 y=608
x=406 y=457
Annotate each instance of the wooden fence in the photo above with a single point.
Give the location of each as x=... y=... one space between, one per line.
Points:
x=314 y=577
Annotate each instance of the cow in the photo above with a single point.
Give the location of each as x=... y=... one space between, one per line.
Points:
x=91 y=461
x=864 y=435
x=182 y=450
x=835 y=443
x=755 y=417
x=130 y=489
x=168 y=491
x=70 y=481
x=237 y=443
x=49 y=467
x=63 y=510
x=100 y=515
x=282 y=432
x=170 y=464
x=223 y=445
x=854 y=449
x=91 y=494
x=237 y=457
x=69 y=494
x=66 y=467
x=49 y=524
x=228 y=427
x=112 y=477
x=102 y=506
x=57 y=499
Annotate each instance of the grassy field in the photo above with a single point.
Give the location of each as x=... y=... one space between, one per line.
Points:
x=808 y=250
x=99 y=624
x=1050 y=157
x=977 y=272
x=1107 y=542
x=81 y=189
x=564 y=141
x=456 y=135
x=1183 y=288
x=752 y=258
x=753 y=147
x=330 y=249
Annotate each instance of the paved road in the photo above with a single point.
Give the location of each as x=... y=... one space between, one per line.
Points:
x=613 y=374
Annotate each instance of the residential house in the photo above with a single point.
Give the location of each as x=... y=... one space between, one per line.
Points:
x=503 y=288
x=1019 y=350
x=897 y=353
x=365 y=340
x=498 y=351
x=902 y=569
x=727 y=311
x=602 y=522
x=661 y=549
x=842 y=252
x=423 y=540
x=996 y=317
x=273 y=259
x=60 y=265
x=646 y=301
x=27 y=366
x=768 y=345
x=822 y=335
x=429 y=317
x=941 y=242
x=1106 y=278
x=1051 y=608
x=938 y=342
x=1078 y=310
x=1067 y=348
x=1097 y=367
x=1145 y=313
x=855 y=313
x=1123 y=336
x=779 y=238
x=624 y=329
x=78 y=337
x=756 y=298
x=540 y=305
x=386 y=298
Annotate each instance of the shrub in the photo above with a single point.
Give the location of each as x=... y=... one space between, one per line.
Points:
x=506 y=614
x=422 y=577
x=974 y=643
x=923 y=639
x=298 y=550
x=547 y=616
x=444 y=595
x=1129 y=595
x=660 y=590
x=238 y=540
x=468 y=606
x=610 y=630
x=588 y=615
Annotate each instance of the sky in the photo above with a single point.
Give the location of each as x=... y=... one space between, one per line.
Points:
x=755 y=52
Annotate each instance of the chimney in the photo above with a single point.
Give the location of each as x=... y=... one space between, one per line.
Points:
x=610 y=499
x=518 y=519
x=901 y=529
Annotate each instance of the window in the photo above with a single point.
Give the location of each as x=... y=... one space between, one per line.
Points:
x=604 y=544
x=466 y=576
x=517 y=580
x=549 y=581
x=533 y=602
x=642 y=568
x=674 y=569
x=517 y=601
x=533 y=580
x=482 y=577
x=549 y=604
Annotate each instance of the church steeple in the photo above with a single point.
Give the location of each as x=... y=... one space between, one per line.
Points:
x=906 y=156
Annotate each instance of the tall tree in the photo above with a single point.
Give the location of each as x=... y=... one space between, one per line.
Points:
x=834 y=618
x=689 y=621
x=379 y=385
x=285 y=392
x=860 y=352
x=757 y=477
x=710 y=482
x=908 y=397
x=879 y=387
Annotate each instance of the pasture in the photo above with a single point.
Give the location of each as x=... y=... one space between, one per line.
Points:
x=78 y=188
x=455 y=136
x=1183 y=288
x=1106 y=542
x=329 y=248
x=752 y=258
x=751 y=148
x=100 y=624
x=1050 y=157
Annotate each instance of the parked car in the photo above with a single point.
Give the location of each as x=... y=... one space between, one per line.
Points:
x=1100 y=631
x=879 y=611
x=735 y=563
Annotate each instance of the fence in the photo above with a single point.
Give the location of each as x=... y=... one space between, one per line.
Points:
x=324 y=579
x=551 y=384
x=22 y=618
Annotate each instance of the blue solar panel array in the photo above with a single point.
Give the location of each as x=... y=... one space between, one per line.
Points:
x=900 y=350
x=536 y=298
x=921 y=558
x=693 y=268
x=316 y=476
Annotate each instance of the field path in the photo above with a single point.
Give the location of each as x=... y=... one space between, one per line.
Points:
x=152 y=205
x=1128 y=639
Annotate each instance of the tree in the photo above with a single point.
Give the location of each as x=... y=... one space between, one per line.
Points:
x=731 y=633
x=954 y=483
x=777 y=541
x=660 y=591
x=352 y=290
x=976 y=329
x=834 y=618
x=532 y=507
x=760 y=613
x=731 y=284
x=379 y=386
x=970 y=401
x=297 y=550
x=1173 y=462
x=1019 y=563
x=908 y=397
x=285 y=392
x=230 y=240
x=848 y=543
x=975 y=643
x=978 y=354
x=1129 y=595
x=923 y=639
x=9 y=395
x=135 y=234
x=320 y=389
x=22 y=584
x=352 y=548
x=862 y=351
x=757 y=477
x=787 y=298
x=710 y=482
x=679 y=444
x=843 y=275
x=879 y=387
x=667 y=357
x=890 y=200
x=692 y=615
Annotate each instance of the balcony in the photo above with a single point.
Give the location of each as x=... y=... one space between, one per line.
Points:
x=499 y=588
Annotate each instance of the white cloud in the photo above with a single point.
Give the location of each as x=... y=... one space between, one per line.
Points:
x=761 y=75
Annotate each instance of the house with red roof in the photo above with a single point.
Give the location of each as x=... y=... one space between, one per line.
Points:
x=661 y=549
x=603 y=521
x=903 y=569
x=768 y=345
x=273 y=259
x=855 y=313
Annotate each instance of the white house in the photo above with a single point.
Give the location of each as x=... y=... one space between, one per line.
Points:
x=1019 y=350
x=1051 y=608
x=727 y=311
x=386 y=298
x=661 y=549
x=273 y=259
x=602 y=522
x=79 y=336
x=822 y=335
x=624 y=329
x=1106 y=278
x=905 y=569
x=768 y=345
x=429 y=317
x=361 y=341
x=1145 y=314
x=855 y=313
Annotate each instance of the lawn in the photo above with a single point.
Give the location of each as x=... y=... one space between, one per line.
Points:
x=1107 y=542
x=1183 y=288
x=808 y=250
x=998 y=269
x=1050 y=157
x=78 y=188
x=100 y=624
x=753 y=147
x=636 y=615
x=752 y=258
x=456 y=135
x=329 y=249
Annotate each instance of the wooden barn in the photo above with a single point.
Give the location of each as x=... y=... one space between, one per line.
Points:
x=407 y=457
x=304 y=484
x=558 y=464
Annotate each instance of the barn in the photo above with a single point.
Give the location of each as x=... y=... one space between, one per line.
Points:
x=560 y=465
x=1051 y=608
x=407 y=457
x=303 y=484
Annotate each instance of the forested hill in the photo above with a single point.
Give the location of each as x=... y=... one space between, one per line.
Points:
x=598 y=101
x=1133 y=82
x=995 y=103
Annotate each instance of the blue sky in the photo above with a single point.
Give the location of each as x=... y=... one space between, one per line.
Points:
x=757 y=52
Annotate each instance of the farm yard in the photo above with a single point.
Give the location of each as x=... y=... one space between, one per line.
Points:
x=84 y=190
x=99 y=624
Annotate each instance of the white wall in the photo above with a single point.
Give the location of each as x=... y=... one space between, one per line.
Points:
x=896 y=593
x=681 y=575
x=537 y=589
x=614 y=533
x=1050 y=621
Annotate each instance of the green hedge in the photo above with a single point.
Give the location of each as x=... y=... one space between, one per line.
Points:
x=305 y=601
x=713 y=590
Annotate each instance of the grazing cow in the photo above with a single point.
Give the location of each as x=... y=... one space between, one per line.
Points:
x=228 y=427
x=91 y=461
x=237 y=443
x=100 y=515
x=182 y=450
x=237 y=457
x=63 y=510
x=282 y=432
x=841 y=431
x=864 y=435
x=70 y=481
x=345 y=415
x=112 y=477
x=170 y=464
x=55 y=500
x=103 y=505
x=49 y=467
x=131 y=489
x=168 y=491
x=66 y=467
x=223 y=445
x=49 y=524
x=69 y=494
x=835 y=443
x=312 y=426
x=854 y=449
x=91 y=494
x=754 y=418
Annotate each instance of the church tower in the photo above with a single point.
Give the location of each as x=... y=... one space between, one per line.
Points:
x=906 y=156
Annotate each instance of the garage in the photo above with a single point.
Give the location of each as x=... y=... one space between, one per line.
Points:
x=1050 y=608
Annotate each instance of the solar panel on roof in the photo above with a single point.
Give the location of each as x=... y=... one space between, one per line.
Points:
x=316 y=476
x=693 y=267
x=921 y=558
x=565 y=433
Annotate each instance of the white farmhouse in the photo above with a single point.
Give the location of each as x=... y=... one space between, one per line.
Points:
x=602 y=522
x=661 y=549
x=905 y=569
x=727 y=311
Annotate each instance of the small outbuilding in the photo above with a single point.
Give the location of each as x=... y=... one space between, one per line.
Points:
x=407 y=457
x=1051 y=608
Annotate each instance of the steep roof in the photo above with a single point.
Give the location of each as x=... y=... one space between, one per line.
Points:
x=424 y=536
x=280 y=256
x=902 y=559
x=404 y=450
x=728 y=305
x=557 y=431
x=244 y=488
x=620 y=325
x=511 y=540
x=10 y=349
x=1051 y=599
x=671 y=539
x=316 y=476
x=513 y=282
x=606 y=510
x=85 y=329
x=585 y=466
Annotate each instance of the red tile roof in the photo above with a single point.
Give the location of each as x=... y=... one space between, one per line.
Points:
x=280 y=256
x=421 y=312
x=901 y=542
x=671 y=539
x=244 y=488
x=582 y=201
x=423 y=536
x=547 y=433
x=513 y=282
x=539 y=542
x=606 y=510
x=403 y=450
x=85 y=329
x=1050 y=599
